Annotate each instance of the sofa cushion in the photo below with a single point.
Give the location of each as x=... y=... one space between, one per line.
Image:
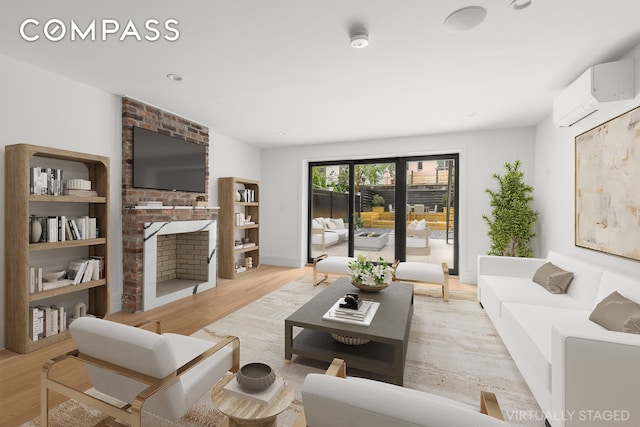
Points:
x=586 y=278
x=531 y=326
x=334 y=264
x=613 y=312
x=553 y=278
x=316 y=239
x=523 y=290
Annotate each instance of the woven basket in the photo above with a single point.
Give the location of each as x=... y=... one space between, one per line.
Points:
x=349 y=340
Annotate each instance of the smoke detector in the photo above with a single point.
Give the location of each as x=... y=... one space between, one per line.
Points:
x=359 y=39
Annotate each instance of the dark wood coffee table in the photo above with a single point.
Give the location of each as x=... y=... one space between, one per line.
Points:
x=388 y=333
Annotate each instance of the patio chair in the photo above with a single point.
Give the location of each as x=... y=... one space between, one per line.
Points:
x=164 y=374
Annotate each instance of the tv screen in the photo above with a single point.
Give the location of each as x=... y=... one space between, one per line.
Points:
x=163 y=162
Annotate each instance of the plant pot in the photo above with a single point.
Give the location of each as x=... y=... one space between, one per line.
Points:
x=366 y=288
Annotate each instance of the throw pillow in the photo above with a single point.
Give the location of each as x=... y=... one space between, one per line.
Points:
x=553 y=278
x=316 y=224
x=412 y=225
x=632 y=324
x=421 y=225
x=617 y=313
x=339 y=222
x=331 y=226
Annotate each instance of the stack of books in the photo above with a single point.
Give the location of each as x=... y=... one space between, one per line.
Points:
x=350 y=313
x=362 y=316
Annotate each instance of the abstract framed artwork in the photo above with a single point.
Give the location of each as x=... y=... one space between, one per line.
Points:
x=607 y=187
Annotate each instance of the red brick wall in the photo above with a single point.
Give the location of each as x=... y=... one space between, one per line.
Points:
x=135 y=113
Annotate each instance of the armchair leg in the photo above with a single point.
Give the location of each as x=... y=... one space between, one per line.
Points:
x=44 y=406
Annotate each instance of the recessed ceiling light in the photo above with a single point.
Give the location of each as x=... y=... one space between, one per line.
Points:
x=520 y=4
x=282 y=133
x=174 y=77
x=472 y=114
x=465 y=19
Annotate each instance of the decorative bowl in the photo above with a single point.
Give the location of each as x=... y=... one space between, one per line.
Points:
x=255 y=376
x=245 y=240
x=52 y=276
x=366 y=288
x=349 y=340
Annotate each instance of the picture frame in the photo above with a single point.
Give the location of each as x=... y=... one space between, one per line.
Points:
x=607 y=200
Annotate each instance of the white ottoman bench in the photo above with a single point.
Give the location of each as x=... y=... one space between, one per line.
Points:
x=424 y=273
x=326 y=264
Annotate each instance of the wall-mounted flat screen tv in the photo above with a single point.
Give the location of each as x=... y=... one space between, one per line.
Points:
x=163 y=162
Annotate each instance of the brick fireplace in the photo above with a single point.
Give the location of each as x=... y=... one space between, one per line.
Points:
x=177 y=211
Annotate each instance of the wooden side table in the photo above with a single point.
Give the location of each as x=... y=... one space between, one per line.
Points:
x=244 y=413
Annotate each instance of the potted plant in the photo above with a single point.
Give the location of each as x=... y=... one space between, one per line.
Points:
x=377 y=201
x=511 y=224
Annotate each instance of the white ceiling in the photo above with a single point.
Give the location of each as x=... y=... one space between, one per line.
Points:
x=256 y=69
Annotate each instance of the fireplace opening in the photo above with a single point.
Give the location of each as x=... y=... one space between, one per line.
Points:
x=181 y=261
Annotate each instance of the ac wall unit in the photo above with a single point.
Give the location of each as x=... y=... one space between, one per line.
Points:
x=602 y=83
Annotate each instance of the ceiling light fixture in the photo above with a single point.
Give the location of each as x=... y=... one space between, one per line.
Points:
x=359 y=39
x=465 y=19
x=174 y=77
x=520 y=4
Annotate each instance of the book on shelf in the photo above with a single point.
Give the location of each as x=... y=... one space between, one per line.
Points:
x=35 y=279
x=46 y=321
x=99 y=270
x=80 y=193
x=52 y=229
x=85 y=270
x=56 y=284
x=36 y=326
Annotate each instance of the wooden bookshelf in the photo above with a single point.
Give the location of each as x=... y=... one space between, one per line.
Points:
x=229 y=231
x=19 y=205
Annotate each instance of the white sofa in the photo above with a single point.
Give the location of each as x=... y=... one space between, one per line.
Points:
x=580 y=373
x=328 y=231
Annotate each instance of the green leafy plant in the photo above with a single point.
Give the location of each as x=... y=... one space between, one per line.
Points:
x=368 y=273
x=511 y=225
x=377 y=200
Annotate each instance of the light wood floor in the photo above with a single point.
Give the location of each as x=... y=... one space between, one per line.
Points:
x=20 y=373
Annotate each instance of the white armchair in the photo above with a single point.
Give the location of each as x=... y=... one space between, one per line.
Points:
x=335 y=400
x=163 y=373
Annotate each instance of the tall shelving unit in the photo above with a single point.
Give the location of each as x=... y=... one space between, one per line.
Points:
x=19 y=252
x=230 y=232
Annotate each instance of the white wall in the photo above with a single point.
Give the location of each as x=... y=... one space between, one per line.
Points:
x=42 y=108
x=284 y=186
x=228 y=157
x=554 y=182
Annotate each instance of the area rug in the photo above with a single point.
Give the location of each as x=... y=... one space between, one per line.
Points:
x=454 y=351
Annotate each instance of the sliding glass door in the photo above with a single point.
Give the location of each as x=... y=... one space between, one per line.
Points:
x=430 y=195
x=329 y=227
x=395 y=209
x=373 y=213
